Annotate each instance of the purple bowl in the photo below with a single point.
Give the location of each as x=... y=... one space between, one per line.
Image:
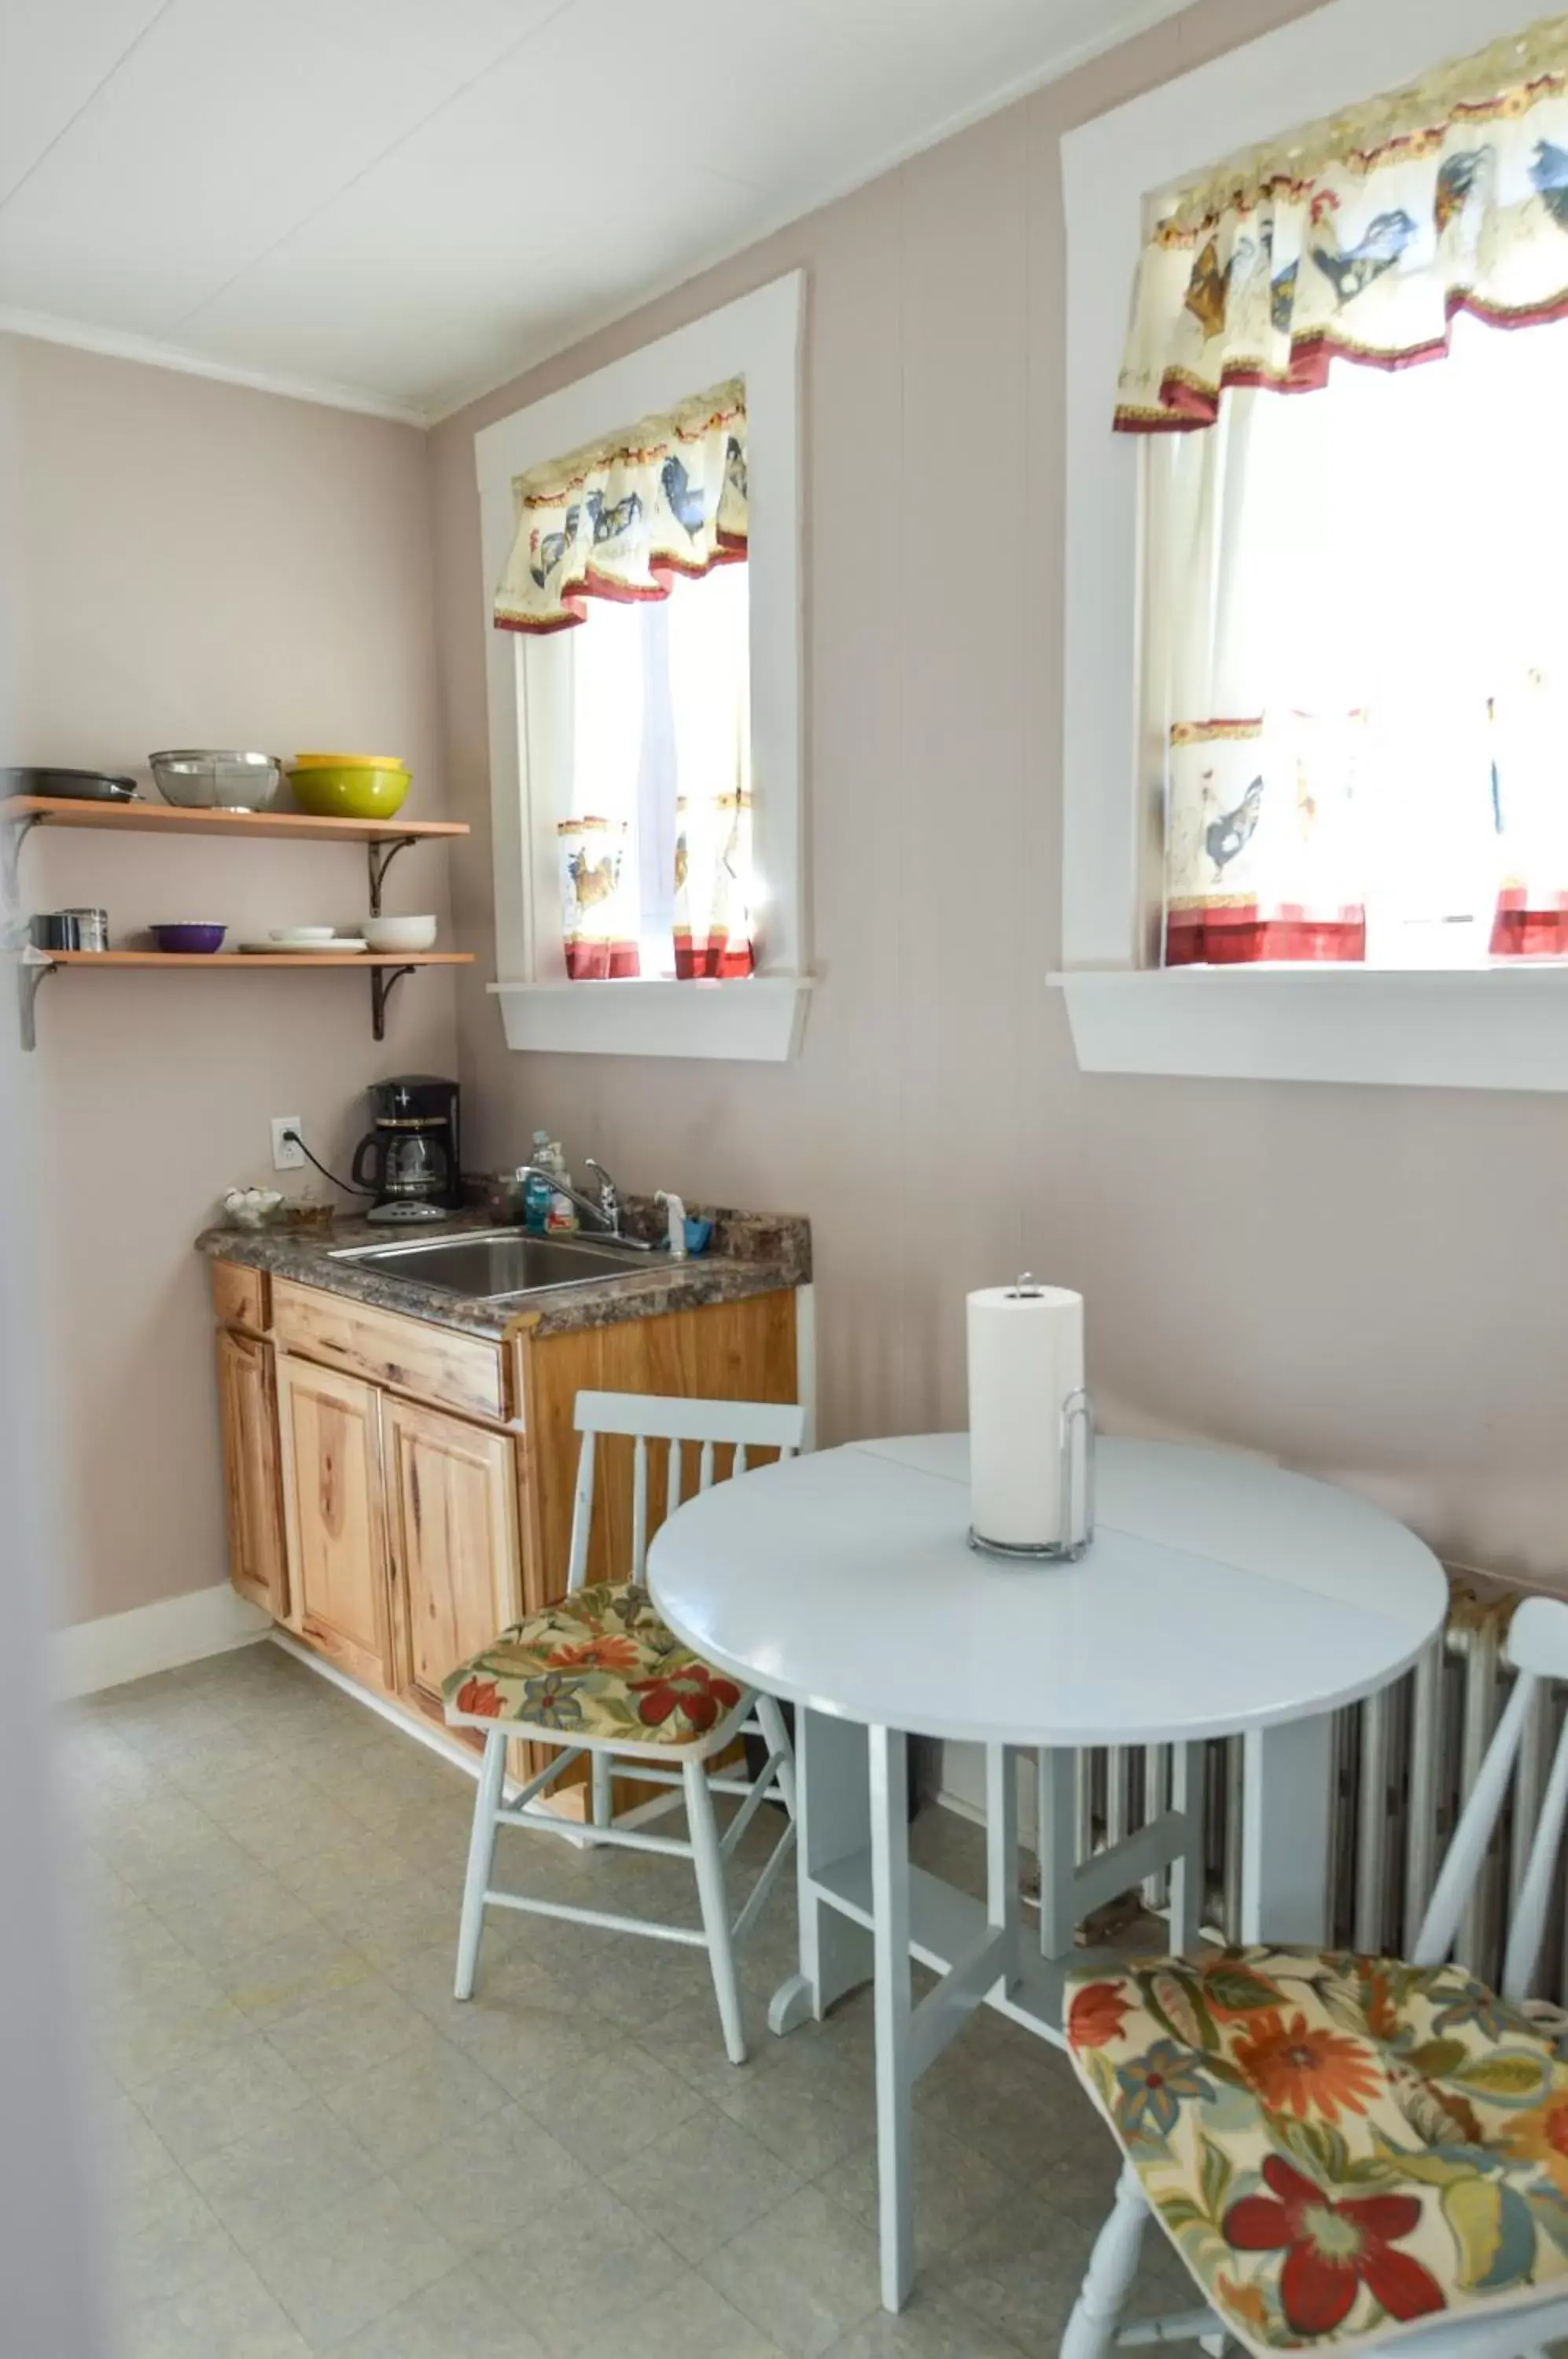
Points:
x=189 y=938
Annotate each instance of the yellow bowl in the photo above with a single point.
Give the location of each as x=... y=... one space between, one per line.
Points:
x=342 y=790
x=349 y=761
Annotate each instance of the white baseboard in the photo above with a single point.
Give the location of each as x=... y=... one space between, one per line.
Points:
x=88 y=1655
x=961 y=1787
x=408 y=1724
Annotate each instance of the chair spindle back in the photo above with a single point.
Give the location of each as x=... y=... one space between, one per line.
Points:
x=1538 y=1648
x=739 y=1425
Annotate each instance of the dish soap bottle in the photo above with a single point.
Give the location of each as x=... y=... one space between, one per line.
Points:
x=536 y=1190
x=560 y=1219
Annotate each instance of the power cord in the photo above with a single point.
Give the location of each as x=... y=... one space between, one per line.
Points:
x=349 y=1187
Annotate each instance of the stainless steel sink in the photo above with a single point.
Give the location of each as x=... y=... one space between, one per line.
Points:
x=487 y=1264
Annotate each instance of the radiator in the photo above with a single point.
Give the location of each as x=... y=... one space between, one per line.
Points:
x=1403 y=1762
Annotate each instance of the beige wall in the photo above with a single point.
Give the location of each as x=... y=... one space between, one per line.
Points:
x=198 y=565
x=1368 y=1283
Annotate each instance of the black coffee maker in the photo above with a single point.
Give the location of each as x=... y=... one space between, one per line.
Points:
x=411 y=1160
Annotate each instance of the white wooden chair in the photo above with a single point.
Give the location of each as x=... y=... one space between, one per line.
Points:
x=1406 y=2174
x=599 y=1675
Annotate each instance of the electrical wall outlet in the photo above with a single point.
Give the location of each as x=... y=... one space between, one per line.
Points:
x=287 y=1155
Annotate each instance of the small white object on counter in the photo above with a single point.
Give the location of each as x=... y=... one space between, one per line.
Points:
x=676 y=1211
x=252 y=1208
x=1026 y=1361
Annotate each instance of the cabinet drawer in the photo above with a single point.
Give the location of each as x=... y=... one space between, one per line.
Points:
x=239 y=1296
x=433 y=1364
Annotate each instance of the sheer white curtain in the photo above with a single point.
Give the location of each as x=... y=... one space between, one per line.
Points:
x=1357 y=652
x=600 y=918
x=710 y=678
x=655 y=834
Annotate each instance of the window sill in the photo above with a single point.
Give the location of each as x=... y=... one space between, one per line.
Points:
x=1494 y=1028
x=760 y=1018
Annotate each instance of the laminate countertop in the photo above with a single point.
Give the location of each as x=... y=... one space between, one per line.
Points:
x=751 y=1253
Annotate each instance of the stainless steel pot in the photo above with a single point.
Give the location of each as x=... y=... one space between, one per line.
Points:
x=55 y=929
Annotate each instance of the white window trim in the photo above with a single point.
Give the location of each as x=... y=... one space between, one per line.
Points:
x=1492 y=1028
x=762 y=1016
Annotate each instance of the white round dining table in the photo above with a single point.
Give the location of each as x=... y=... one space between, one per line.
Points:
x=1221 y=1596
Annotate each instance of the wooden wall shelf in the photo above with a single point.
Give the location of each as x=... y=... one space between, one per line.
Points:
x=385 y=968
x=168 y=819
x=350 y=960
x=383 y=838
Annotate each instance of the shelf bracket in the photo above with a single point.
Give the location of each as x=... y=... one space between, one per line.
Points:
x=382 y=979
x=379 y=858
x=15 y=834
x=30 y=971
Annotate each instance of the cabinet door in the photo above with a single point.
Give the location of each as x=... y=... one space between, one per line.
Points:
x=252 y=1498
x=337 y=1545
x=453 y=1526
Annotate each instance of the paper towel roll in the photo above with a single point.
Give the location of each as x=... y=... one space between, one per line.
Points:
x=1026 y=1355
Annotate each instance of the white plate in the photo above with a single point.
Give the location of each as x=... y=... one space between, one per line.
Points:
x=341 y=944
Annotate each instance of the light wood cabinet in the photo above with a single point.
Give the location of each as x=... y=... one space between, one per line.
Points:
x=331 y=1428
x=408 y=1355
x=240 y=1296
x=717 y=1351
x=399 y=1492
x=452 y=1522
x=253 y=1496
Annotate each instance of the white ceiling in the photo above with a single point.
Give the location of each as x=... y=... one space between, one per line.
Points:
x=400 y=202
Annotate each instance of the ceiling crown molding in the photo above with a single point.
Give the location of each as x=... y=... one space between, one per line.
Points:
x=117 y=344
x=1127 y=22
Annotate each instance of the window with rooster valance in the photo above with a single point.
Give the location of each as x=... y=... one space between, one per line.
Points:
x=648 y=657
x=621 y=519
x=652 y=754
x=1360 y=239
x=1355 y=616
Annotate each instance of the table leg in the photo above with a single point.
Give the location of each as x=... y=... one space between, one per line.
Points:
x=833 y=1807
x=1002 y=1910
x=1056 y=1841
x=1285 y=1799
x=1187 y=1868
x=890 y=1913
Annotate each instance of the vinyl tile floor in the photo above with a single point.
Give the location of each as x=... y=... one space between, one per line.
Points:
x=307 y=2146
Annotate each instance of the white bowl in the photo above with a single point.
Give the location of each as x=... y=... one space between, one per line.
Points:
x=400 y=933
x=301 y=934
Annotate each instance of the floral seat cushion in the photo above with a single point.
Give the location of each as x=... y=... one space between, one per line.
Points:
x=1340 y=2147
x=599 y=1664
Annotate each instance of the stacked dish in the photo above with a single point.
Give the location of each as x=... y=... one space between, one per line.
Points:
x=400 y=933
x=308 y=941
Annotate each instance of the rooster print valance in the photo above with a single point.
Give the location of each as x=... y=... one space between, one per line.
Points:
x=1360 y=239
x=620 y=518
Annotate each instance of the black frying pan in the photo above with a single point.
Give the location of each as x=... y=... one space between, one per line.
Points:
x=75 y=786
